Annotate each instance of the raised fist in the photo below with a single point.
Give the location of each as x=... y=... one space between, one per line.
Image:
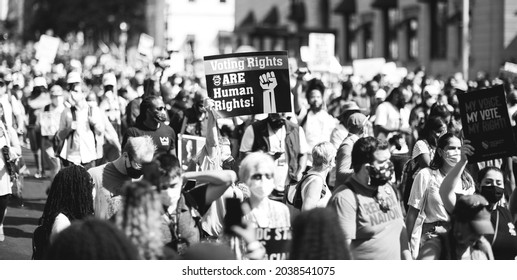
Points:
x=268 y=81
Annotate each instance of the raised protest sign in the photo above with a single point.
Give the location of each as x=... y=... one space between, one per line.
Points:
x=146 y=45
x=188 y=148
x=47 y=48
x=276 y=241
x=249 y=83
x=486 y=123
x=322 y=51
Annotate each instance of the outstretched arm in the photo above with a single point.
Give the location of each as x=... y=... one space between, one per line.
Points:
x=218 y=181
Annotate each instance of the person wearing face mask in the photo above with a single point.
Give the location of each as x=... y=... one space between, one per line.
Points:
x=285 y=141
x=491 y=187
x=470 y=220
x=367 y=207
x=48 y=121
x=184 y=207
x=427 y=185
x=87 y=124
x=151 y=122
x=266 y=215
x=110 y=177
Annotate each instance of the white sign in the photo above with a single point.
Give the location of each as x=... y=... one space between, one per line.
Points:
x=47 y=48
x=146 y=45
x=510 y=67
x=368 y=68
x=322 y=51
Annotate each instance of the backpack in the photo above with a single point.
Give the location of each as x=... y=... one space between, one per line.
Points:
x=297 y=200
x=409 y=172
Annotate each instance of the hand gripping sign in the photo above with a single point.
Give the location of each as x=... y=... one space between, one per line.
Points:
x=249 y=83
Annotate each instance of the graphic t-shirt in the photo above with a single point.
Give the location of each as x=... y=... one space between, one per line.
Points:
x=375 y=234
x=164 y=136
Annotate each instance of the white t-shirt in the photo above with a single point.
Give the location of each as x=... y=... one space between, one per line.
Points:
x=318 y=127
x=434 y=208
x=422 y=147
x=391 y=118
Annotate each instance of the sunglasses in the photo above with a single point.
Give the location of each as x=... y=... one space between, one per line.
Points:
x=161 y=108
x=259 y=176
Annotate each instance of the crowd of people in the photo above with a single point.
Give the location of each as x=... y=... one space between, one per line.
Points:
x=358 y=169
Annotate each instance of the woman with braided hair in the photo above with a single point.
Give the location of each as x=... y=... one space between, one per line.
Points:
x=69 y=199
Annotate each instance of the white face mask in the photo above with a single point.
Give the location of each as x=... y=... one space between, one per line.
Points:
x=451 y=158
x=261 y=189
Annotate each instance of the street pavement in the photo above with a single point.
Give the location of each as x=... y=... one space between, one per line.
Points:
x=20 y=221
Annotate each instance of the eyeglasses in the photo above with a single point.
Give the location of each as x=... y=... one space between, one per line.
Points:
x=160 y=108
x=259 y=176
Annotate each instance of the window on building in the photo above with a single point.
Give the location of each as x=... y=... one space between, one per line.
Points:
x=351 y=38
x=368 y=39
x=412 y=38
x=438 y=29
x=392 y=36
x=222 y=1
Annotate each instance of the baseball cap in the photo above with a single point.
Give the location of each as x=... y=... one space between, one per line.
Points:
x=73 y=77
x=40 y=82
x=473 y=210
x=356 y=123
x=109 y=79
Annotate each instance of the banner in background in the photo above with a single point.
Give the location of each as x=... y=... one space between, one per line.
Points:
x=249 y=83
x=322 y=51
x=486 y=123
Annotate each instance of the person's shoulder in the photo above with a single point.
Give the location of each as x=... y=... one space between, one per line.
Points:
x=96 y=170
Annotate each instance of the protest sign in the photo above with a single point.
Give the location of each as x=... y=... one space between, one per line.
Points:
x=47 y=48
x=486 y=123
x=368 y=68
x=188 y=148
x=322 y=51
x=248 y=83
x=276 y=241
x=146 y=45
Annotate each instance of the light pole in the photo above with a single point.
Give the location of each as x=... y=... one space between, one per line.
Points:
x=123 y=40
x=465 y=39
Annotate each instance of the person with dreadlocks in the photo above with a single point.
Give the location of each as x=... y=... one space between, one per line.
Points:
x=151 y=122
x=69 y=199
x=140 y=219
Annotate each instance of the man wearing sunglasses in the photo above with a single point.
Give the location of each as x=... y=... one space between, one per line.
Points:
x=151 y=122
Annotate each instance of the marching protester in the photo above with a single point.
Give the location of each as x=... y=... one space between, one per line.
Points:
x=69 y=199
x=109 y=178
x=356 y=125
x=151 y=122
x=48 y=121
x=11 y=151
x=425 y=191
x=367 y=208
x=491 y=186
x=184 y=206
x=84 y=123
x=38 y=100
x=285 y=141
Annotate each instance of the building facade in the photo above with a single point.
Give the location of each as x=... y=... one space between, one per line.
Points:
x=409 y=32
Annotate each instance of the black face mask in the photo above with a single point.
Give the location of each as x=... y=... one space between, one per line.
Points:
x=228 y=163
x=276 y=124
x=492 y=193
x=133 y=172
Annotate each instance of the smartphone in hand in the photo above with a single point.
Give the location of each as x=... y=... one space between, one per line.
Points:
x=233 y=215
